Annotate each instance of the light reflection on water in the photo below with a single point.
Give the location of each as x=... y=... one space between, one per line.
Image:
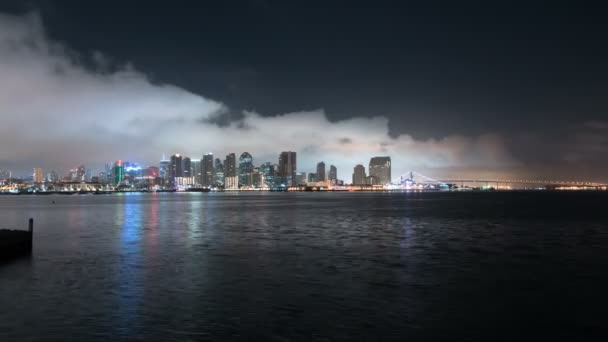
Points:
x=304 y=266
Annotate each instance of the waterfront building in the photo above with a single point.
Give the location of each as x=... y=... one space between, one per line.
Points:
x=38 y=175
x=380 y=170
x=176 y=169
x=287 y=168
x=219 y=172
x=118 y=173
x=320 y=175
x=197 y=170
x=207 y=172
x=187 y=167
x=269 y=172
x=231 y=180
x=359 y=177
x=313 y=178
x=245 y=169
x=164 y=171
x=333 y=174
x=300 y=178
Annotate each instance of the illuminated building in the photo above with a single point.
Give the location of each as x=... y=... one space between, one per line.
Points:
x=186 y=167
x=207 y=170
x=165 y=171
x=118 y=173
x=333 y=174
x=320 y=172
x=312 y=178
x=300 y=178
x=287 y=168
x=380 y=170
x=176 y=168
x=219 y=172
x=245 y=169
x=359 y=177
x=38 y=175
x=80 y=173
x=197 y=170
x=231 y=180
x=268 y=170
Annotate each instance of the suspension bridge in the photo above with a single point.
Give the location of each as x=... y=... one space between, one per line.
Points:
x=414 y=178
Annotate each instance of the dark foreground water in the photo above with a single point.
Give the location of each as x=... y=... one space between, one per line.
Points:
x=308 y=266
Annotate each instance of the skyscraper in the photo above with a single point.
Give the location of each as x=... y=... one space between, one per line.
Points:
x=176 y=169
x=245 y=169
x=165 y=171
x=197 y=170
x=359 y=175
x=38 y=175
x=219 y=172
x=187 y=167
x=333 y=174
x=320 y=172
x=380 y=170
x=268 y=170
x=207 y=172
x=231 y=180
x=118 y=173
x=287 y=168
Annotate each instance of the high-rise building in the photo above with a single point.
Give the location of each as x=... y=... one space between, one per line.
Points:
x=380 y=170
x=197 y=170
x=207 y=171
x=81 y=171
x=219 y=172
x=164 y=171
x=38 y=178
x=187 y=167
x=359 y=177
x=231 y=180
x=176 y=169
x=313 y=178
x=118 y=173
x=287 y=168
x=300 y=178
x=245 y=169
x=269 y=172
x=320 y=172
x=333 y=174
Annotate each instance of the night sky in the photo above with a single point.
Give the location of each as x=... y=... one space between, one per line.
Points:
x=449 y=88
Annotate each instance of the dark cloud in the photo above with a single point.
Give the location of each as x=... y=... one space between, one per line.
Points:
x=60 y=109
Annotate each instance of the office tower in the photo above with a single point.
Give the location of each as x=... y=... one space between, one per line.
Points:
x=231 y=180
x=287 y=168
x=164 y=171
x=269 y=172
x=176 y=169
x=320 y=172
x=197 y=170
x=219 y=172
x=245 y=169
x=300 y=178
x=380 y=170
x=38 y=175
x=187 y=167
x=207 y=170
x=333 y=174
x=359 y=177
x=118 y=173
x=313 y=178
x=80 y=173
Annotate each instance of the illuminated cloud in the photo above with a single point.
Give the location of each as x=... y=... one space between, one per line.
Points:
x=60 y=109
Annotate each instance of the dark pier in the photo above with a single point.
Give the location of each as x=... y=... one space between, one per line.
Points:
x=16 y=243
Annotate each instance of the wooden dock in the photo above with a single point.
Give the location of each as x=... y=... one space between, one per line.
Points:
x=16 y=243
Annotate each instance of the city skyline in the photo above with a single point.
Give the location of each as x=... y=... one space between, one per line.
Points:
x=72 y=96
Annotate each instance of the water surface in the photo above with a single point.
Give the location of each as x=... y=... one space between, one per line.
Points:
x=307 y=266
